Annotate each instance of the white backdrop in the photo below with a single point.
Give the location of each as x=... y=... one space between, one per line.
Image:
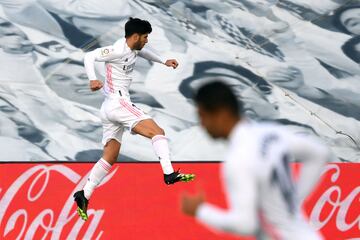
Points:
x=295 y=62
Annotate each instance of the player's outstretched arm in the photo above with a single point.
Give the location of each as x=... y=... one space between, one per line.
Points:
x=152 y=56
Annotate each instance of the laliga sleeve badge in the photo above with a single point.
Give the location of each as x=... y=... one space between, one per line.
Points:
x=105 y=51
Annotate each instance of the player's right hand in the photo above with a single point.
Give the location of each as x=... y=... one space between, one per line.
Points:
x=95 y=85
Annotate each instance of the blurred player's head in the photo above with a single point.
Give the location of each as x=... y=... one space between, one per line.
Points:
x=254 y=92
x=136 y=32
x=352 y=49
x=218 y=108
x=347 y=19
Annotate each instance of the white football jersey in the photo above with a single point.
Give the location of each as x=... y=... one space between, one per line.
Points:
x=262 y=197
x=119 y=63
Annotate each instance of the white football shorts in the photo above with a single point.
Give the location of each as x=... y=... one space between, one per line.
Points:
x=117 y=115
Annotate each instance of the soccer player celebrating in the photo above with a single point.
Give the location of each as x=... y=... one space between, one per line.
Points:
x=119 y=113
x=263 y=198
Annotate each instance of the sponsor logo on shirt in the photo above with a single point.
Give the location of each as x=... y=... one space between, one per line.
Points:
x=128 y=68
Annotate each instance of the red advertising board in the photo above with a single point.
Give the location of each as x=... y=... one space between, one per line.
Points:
x=133 y=202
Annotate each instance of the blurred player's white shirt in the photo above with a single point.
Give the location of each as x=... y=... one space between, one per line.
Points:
x=262 y=198
x=119 y=64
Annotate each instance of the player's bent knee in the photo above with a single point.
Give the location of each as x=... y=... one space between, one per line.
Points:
x=161 y=132
x=154 y=132
x=158 y=131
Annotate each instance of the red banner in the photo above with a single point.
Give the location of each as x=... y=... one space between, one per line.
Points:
x=133 y=202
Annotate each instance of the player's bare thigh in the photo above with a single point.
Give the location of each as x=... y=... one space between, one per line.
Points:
x=148 y=128
x=111 y=151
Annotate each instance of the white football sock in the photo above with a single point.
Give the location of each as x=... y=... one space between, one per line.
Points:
x=97 y=174
x=161 y=148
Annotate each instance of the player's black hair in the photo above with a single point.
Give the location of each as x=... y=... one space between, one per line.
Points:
x=337 y=15
x=216 y=95
x=349 y=48
x=136 y=25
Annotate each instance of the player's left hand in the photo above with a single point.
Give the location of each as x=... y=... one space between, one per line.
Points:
x=172 y=63
x=190 y=204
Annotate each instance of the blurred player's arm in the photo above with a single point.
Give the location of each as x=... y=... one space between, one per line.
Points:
x=314 y=155
x=241 y=217
x=152 y=56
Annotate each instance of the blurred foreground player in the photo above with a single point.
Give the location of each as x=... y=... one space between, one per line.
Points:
x=118 y=113
x=263 y=199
